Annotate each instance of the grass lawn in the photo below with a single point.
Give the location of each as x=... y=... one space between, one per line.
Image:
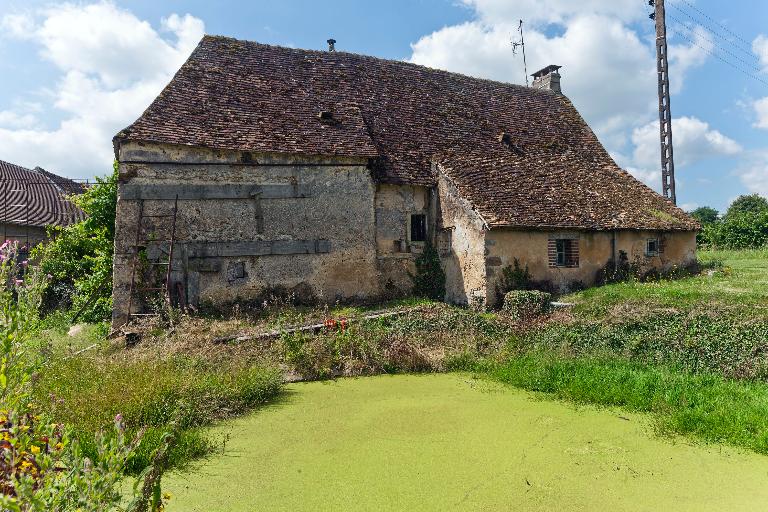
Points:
x=742 y=284
x=451 y=442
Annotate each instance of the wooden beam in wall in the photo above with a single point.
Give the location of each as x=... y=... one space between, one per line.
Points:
x=162 y=191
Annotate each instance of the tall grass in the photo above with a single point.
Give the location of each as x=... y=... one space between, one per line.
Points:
x=87 y=392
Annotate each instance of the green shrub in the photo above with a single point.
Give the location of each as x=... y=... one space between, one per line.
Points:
x=429 y=280
x=739 y=230
x=711 y=341
x=526 y=304
x=514 y=277
x=79 y=256
x=705 y=215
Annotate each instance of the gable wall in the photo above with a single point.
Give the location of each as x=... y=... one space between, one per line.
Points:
x=461 y=243
x=317 y=241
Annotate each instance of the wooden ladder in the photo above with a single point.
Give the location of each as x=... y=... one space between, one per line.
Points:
x=164 y=290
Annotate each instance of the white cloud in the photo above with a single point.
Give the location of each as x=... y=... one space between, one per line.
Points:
x=113 y=65
x=761 y=111
x=19 y=25
x=554 y=11
x=602 y=69
x=760 y=47
x=689 y=207
x=688 y=55
x=754 y=175
x=694 y=141
x=13 y=119
x=651 y=177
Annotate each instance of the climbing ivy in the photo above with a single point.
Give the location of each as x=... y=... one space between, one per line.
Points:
x=429 y=280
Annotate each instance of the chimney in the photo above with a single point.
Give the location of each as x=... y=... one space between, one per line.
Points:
x=331 y=45
x=547 y=79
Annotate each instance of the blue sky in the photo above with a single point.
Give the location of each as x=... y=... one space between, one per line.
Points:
x=74 y=73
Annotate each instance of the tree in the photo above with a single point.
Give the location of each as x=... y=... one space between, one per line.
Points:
x=705 y=215
x=79 y=257
x=753 y=203
x=739 y=230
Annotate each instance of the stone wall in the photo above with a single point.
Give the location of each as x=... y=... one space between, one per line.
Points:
x=247 y=224
x=460 y=241
x=596 y=250
x=395 y=249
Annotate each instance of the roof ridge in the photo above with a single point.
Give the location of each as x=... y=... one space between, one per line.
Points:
x=523 y=88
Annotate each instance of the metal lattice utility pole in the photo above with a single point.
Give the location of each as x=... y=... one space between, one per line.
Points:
x=665 y=115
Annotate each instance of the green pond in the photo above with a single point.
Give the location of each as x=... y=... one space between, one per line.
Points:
x=452 y=442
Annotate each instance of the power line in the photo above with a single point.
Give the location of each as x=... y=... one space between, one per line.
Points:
x=689 y=4
x=714 y=33
x=751 y=65
x=681 y=34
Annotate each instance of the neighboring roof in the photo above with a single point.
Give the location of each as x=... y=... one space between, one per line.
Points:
x=36 y=197
x=246 y=96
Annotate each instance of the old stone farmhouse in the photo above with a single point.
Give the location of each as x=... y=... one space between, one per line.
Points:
x=31 y=200
x=325 y=174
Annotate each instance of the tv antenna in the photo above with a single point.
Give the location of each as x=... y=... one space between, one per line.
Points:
x=521 y=44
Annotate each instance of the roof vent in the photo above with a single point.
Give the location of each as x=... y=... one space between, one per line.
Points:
x=331 y=45
x=325 y=115
x=548 y=79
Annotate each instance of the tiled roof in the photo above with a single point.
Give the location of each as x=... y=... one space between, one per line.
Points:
x=36 y=197
x=246 y=96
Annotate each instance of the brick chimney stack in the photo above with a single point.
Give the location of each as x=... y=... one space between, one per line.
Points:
x=547 y=79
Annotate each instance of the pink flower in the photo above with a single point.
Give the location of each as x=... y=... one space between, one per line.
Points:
x=19 y=282
x=25 y=263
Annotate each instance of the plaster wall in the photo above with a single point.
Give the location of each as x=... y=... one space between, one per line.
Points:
x=595 y=251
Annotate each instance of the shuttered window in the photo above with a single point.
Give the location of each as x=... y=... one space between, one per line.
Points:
x=564 y=252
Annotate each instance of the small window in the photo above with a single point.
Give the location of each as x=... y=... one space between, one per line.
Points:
x=652 y=247
x=564 y=252
x=418 y=228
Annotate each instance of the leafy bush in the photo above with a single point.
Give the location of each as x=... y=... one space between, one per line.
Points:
x=739 y=230
x=514 y=277
x=429 y=280
x=697 y=342
x=79 y=256
x=526 y=304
